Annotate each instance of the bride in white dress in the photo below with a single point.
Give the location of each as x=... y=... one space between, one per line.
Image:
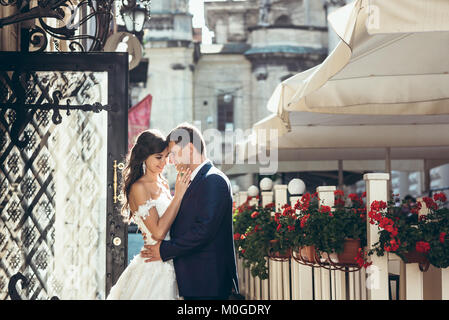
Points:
x=147 y=198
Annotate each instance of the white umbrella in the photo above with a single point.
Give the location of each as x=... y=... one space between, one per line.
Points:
x=379 y=101
x=392 y=59
x=383 y=86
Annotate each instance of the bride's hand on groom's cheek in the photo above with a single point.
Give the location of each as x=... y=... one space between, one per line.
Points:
x=151 y=252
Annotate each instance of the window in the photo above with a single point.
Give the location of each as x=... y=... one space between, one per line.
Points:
x=225 y=111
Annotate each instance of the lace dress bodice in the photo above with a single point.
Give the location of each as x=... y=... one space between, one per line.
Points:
x=142 y=280
x=143 y=211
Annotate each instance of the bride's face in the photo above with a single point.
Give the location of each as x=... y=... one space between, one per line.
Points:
x=156 y=162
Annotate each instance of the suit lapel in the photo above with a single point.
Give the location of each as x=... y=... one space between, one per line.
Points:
x=197 y=178
x=195 y=181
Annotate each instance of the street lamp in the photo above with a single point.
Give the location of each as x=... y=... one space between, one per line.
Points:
x=134 y=15
x=134 y=18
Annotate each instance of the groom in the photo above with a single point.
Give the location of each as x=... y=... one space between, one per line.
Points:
x=201 y=245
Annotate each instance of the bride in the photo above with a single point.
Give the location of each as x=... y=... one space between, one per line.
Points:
x=153 y=209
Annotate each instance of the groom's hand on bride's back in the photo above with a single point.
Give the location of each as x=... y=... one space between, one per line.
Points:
x=151 y=252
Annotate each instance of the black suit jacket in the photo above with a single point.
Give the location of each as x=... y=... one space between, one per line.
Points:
x=202 y=245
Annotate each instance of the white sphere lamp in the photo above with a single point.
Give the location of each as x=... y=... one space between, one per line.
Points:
x=266 y=184
x=253 y=191
x=296 y=186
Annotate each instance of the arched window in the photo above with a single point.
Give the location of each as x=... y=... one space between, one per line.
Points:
x=283 y=20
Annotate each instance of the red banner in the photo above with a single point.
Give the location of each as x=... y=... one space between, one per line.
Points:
x=139 y=119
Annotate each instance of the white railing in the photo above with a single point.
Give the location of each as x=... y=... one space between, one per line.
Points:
x=290 y=280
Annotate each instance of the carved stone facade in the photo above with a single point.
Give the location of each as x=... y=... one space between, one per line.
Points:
x=257 y=44
x=168 y=43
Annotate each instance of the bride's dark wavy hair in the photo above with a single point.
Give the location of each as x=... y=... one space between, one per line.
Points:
x=148 y=142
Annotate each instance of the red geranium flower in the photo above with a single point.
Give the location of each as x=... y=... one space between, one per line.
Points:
x=430 y=203
x=237 y=236
x=340 y=193
x=422 y=246
x=440 y=197
x=304 y=220
x=325 y=209
x=442 y=235
x=270 y=205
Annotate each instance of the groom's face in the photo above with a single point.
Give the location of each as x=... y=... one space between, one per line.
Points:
x=179 y=155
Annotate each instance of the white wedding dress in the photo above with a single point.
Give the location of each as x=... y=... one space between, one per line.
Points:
x=142 y=280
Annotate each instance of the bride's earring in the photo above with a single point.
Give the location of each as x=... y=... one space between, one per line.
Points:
x=144 y=168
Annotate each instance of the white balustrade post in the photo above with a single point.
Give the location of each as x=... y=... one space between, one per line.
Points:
x=413 y=282
x=242 y=196
x=377 y=281
x=301 y=275
x=282 y=279
x=327 y=198
x=445 y=284
x=267 y=197
x=295 y=265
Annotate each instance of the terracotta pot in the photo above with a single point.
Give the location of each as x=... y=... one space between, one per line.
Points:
x=308 y=253
x=276 y=254
x=350 y=250
x=416 y=257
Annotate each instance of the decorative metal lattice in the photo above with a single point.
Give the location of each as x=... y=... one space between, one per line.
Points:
x=24 y=92
x=52 y=191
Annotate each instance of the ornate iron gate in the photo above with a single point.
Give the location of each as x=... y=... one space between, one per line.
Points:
x=60 y=223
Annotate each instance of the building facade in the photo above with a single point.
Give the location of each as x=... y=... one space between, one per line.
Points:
x=225 y=86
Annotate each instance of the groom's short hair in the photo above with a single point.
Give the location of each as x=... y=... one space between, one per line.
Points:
x=186 y=133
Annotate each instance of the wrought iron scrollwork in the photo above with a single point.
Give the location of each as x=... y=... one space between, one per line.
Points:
x=12 y=286
x=12 y=289
x=69 y=14
x=25 y=92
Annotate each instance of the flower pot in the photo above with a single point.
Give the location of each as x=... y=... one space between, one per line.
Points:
x=416 y=257
x=276 y=255
x=350 y=250
x=308 y=253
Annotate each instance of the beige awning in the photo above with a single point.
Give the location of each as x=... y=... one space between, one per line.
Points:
x=385 y=85
x=392 y=59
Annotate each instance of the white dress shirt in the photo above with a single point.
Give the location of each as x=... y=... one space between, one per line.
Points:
x=197 y=169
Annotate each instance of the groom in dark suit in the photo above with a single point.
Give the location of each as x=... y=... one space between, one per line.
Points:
x=201 y=245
